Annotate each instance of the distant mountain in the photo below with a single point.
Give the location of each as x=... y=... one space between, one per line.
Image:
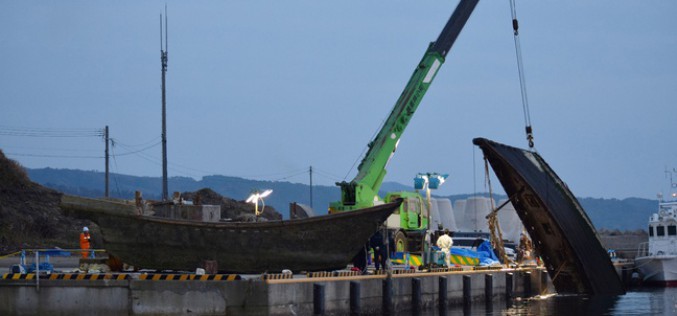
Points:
x=611 y=214
x=625 y=214
x=91 y=184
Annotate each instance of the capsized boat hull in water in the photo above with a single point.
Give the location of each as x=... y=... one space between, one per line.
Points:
x=556 y=222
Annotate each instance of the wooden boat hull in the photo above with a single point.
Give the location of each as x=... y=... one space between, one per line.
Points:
x=319 y=243
x=556 y=222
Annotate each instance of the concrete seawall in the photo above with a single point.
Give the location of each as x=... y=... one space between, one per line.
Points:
x=372 y=294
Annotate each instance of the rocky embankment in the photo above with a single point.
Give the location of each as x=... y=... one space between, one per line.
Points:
x=29 y=213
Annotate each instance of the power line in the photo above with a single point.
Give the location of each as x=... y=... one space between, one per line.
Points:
x=51 y=149
x=326 y=174
x=156 y=139
x=53 y=156
x=292 y=175
x=115 y=178
x=44 y=132
x=134 y=151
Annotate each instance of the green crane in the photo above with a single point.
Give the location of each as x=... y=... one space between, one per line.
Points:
x=362 y=191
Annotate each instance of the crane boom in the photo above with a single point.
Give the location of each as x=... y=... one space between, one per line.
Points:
x=362 y=191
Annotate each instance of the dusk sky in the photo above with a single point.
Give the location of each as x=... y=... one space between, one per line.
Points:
x=265 y=89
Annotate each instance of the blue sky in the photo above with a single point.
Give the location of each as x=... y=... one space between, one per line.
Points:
x=265 y=89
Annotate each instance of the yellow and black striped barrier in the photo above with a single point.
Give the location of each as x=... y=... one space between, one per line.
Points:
x=277 y=276
x=403 y=271
x=18 y=276
x=189 y=277
x=452 y=269
x=487 y=268
x=88 y=276
x=347 y=273
x=320 y=274
x=67 y=276
x=123 y=276
x=395 y=271
x=330 y=274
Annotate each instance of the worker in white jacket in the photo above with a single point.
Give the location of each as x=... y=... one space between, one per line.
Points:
x=445 y=242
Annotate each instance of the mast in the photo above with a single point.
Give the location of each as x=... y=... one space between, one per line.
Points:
x=163 y=60
x=106 y=138
x=311 y=187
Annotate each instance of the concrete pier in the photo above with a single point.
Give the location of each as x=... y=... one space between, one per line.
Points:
x=136 y=294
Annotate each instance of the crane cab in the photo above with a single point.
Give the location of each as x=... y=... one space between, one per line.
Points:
x=407 y=224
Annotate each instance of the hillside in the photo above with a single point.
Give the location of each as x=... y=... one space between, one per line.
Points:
x=625 y=214
x=29 y=213
x=91 y=183
x=611 y=214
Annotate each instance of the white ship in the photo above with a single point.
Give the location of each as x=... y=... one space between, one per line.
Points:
x=657 y=259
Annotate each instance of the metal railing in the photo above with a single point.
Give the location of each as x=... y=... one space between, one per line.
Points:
x=643 y=249
x=47 y=268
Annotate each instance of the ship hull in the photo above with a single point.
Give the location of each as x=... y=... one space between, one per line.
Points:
x=658 y=270
x=559 y=227
x=318 y=243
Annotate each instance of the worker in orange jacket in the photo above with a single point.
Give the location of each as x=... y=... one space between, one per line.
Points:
x=84 y=241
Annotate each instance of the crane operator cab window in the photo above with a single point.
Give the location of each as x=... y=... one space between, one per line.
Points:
x=413 y=211
x=391 y=198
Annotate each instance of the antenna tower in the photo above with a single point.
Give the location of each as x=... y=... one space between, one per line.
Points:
x=107 y=139
x=163 y=59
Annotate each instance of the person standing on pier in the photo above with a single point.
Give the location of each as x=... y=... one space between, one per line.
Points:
x=380 y=252
x=445 y=242
x=84 y=242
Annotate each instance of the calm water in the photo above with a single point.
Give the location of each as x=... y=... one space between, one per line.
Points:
x=644 y=301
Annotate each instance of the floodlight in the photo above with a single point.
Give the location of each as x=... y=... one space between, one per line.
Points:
x=434 y=183
x=419 y=182
x=265 y=193
x=255 y=198
x=436 y=180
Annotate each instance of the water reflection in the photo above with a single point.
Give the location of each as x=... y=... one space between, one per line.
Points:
x=646 y=301
x=564 y=305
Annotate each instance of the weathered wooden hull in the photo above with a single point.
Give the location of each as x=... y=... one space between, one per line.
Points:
x=556 y=222
x=318 y=243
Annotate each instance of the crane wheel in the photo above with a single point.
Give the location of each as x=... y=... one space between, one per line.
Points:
x=400 y=242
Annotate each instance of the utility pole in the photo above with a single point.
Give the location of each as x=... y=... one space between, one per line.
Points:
x=107 y=139
x=311 y=187
x=163 y=59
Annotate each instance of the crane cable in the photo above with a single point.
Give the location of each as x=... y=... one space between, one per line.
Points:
x=520 y=69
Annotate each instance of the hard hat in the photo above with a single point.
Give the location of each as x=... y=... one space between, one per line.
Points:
x=85 y=229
